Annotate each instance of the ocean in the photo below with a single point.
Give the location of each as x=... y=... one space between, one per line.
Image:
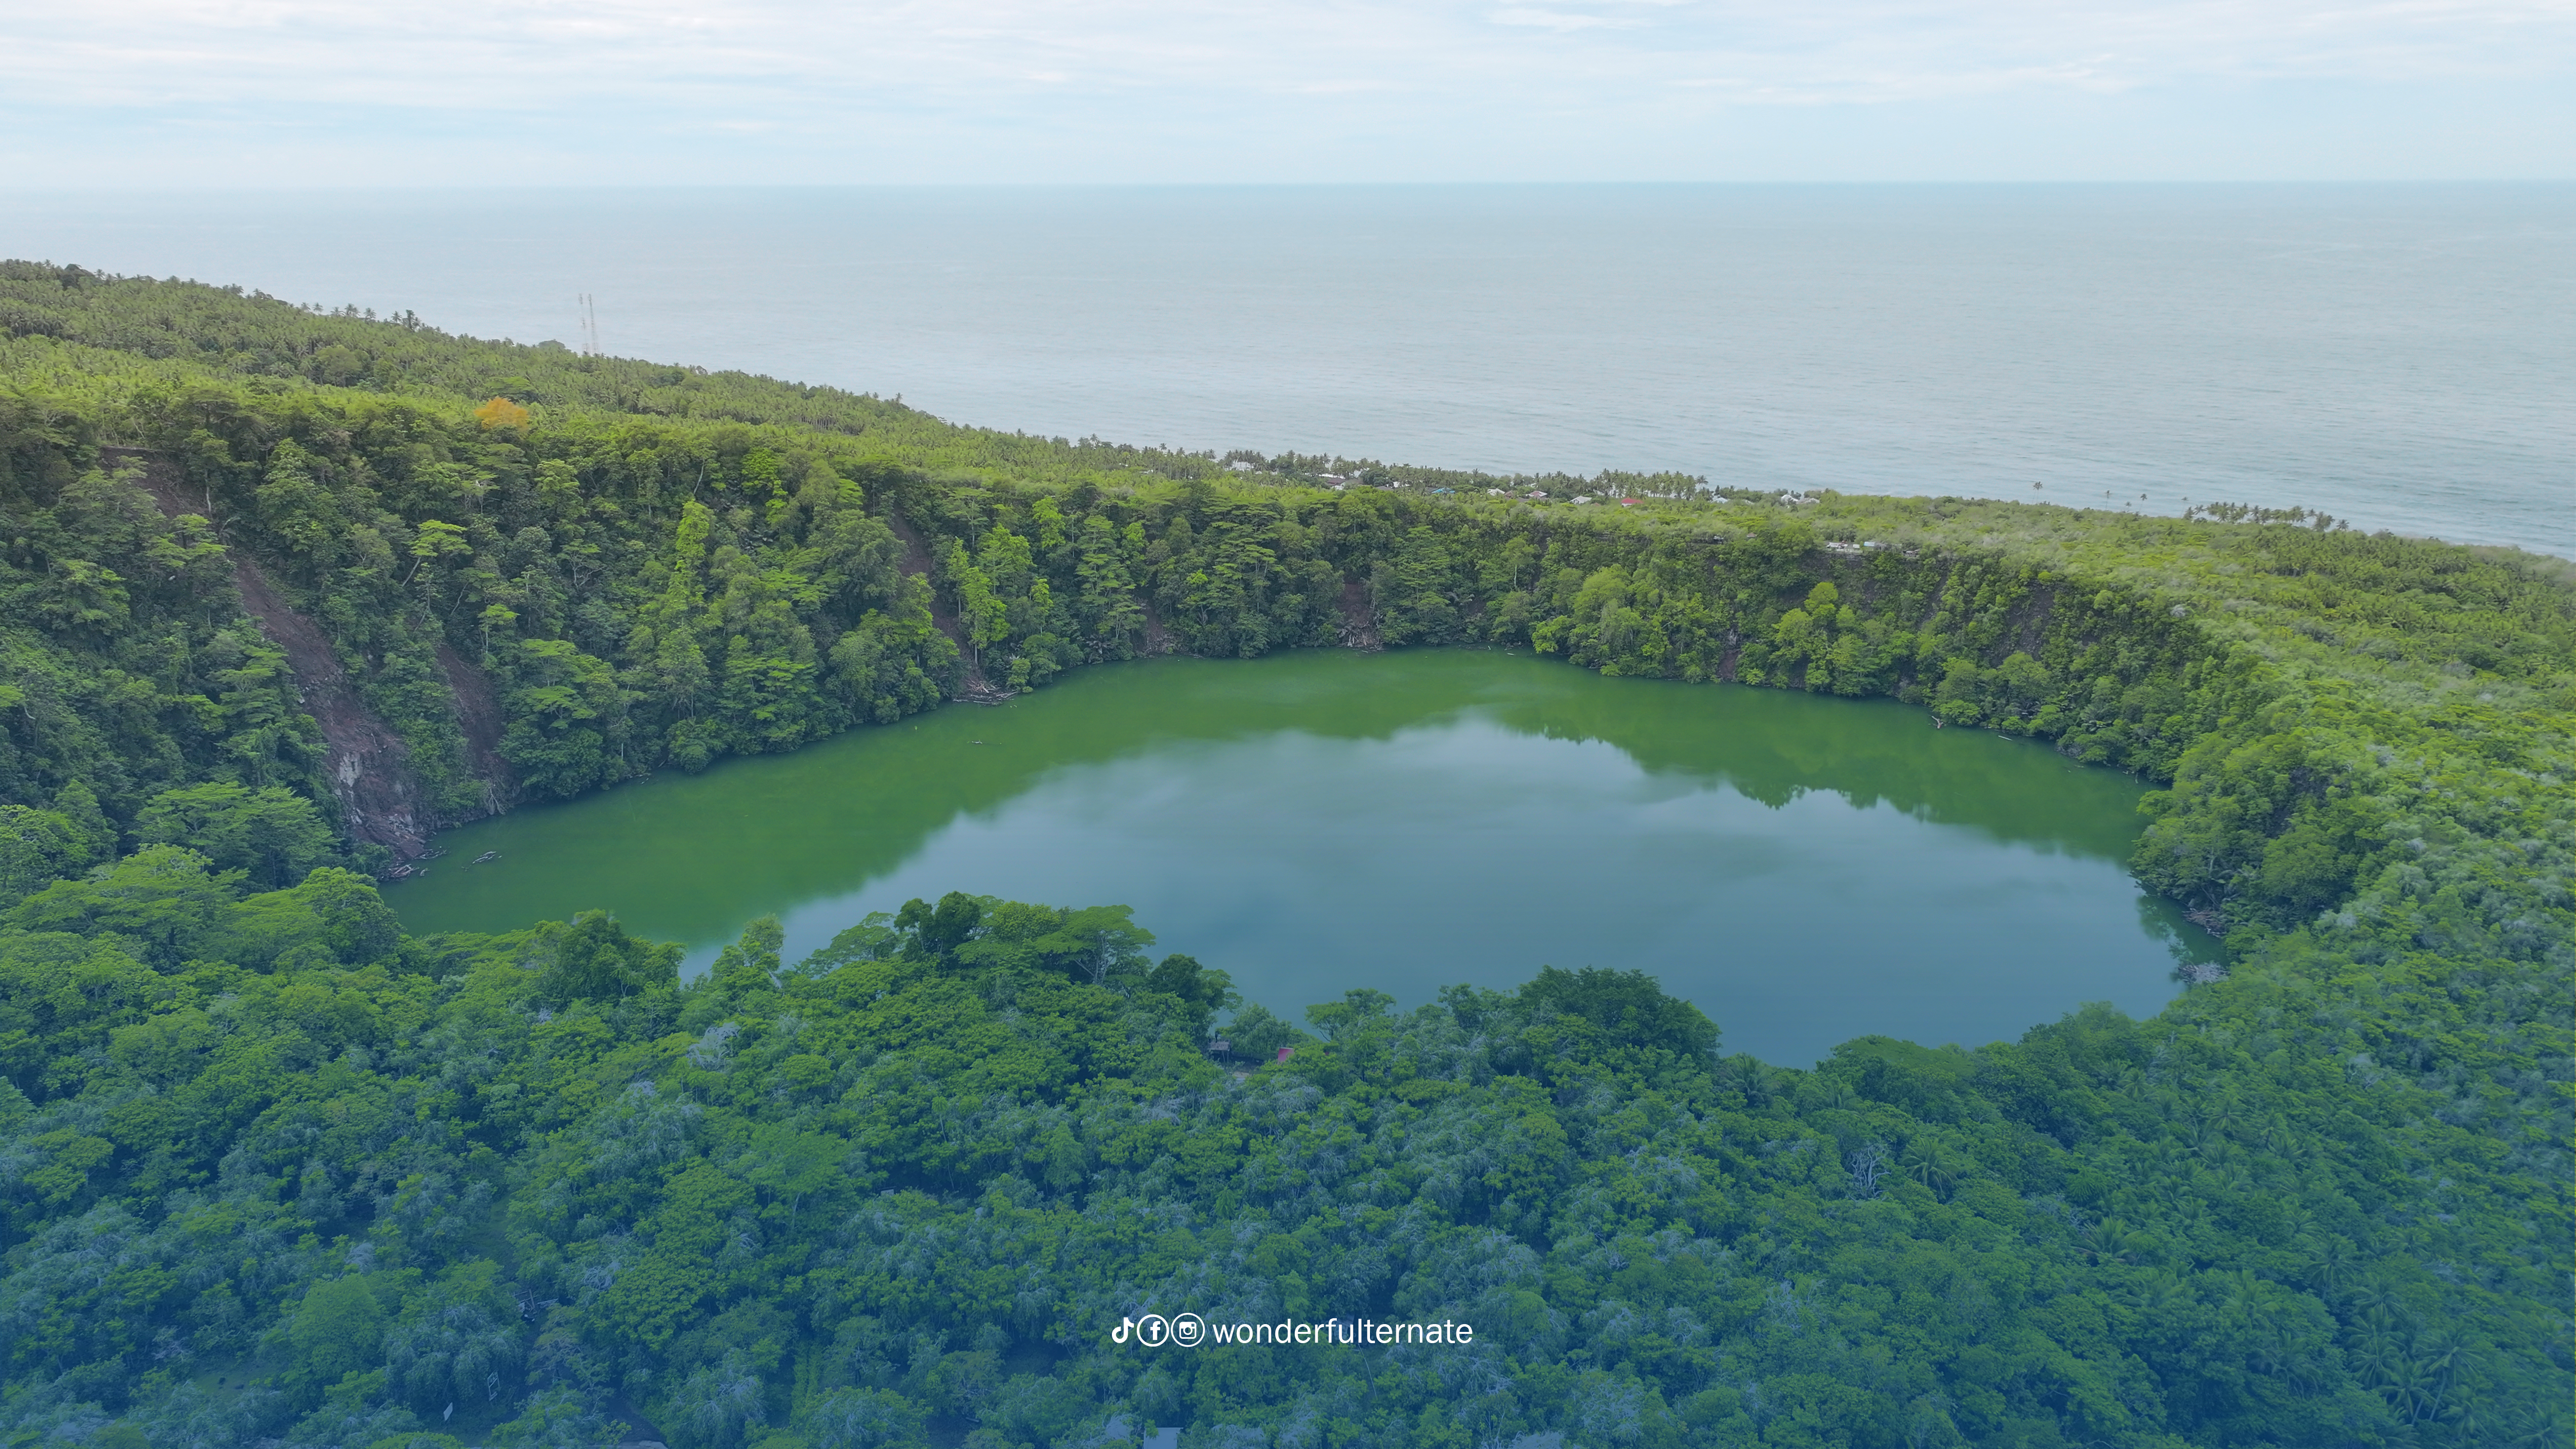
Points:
x=2401 y=356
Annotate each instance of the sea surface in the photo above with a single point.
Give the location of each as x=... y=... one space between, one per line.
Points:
x=2402 y=356
x=1806 y=869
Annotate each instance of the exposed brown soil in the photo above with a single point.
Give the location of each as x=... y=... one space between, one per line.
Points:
x=368 y=764
x=478 y=714
x=973 y=688
x=1359 y=621
x=1158 y=640
x=641 y=1430
x=158 y=478
x=2026 y=624
x=916 y=560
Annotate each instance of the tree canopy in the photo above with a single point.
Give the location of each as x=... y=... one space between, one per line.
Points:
x=273 y=1171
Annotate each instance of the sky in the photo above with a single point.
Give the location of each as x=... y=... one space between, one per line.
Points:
x=236 y=93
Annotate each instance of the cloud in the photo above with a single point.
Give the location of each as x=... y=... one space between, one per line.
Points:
x=1267 y=74
x=137 y=51
x=1559 y=20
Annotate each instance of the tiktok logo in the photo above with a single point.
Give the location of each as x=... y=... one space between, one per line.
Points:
x=1151 y=1330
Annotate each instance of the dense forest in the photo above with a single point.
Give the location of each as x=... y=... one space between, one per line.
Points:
x=288 y=590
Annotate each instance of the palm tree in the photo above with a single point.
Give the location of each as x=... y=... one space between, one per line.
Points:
x=2378 y=1356
x=1925 y=1162
x=2330 y=1263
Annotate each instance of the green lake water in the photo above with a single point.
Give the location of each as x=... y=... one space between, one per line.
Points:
x=1807 y=870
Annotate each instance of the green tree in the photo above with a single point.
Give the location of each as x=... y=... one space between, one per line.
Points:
x=1627 y=1006
x=272 y=835
x=337 y=1330
x=36 y=848
x=595 y=959
x=1204 y=991
x=750 y=964
x=167 y=897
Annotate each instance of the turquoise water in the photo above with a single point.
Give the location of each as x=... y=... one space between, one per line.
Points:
x=2402 y=356
x=1806 y=869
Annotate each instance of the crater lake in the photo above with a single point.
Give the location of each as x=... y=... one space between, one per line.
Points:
x=1805 y=869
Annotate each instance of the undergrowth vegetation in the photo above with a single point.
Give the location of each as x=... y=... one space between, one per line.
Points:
x=275 y=1171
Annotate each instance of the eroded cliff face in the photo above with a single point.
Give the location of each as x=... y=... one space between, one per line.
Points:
x=380 y=796
x=479 y=716
x=369 y=766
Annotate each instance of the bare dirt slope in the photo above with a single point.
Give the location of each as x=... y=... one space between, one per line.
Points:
x=1359 y=619
x=478 y=713
x=368 y=764
x=370 y=767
